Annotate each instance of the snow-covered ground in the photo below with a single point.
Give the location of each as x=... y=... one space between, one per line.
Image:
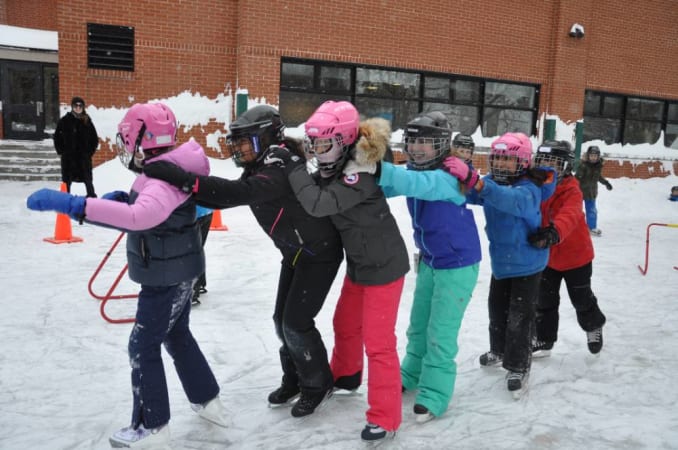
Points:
x=64 y=374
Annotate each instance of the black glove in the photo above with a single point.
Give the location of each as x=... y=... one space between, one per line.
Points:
x=608 y=186
x=282 y=157
x=544 y=237
x=173 y=174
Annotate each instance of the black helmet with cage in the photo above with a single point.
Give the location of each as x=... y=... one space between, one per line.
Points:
x=463 y=146
x=556 y=154
x=253 y=132
x=427 y=140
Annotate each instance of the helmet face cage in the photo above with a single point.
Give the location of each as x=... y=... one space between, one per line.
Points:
x=561 y=164
x=556 y=154
x=506 y=165
x=426 y=152
x=463 y=146
x=124 y=156
x=248 y=144
x=327 y=154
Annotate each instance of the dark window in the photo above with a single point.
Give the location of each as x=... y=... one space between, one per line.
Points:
x=399 y=95
x=110 y=47
x=615 y=118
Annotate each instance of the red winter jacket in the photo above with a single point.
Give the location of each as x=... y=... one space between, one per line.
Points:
x=564 y=210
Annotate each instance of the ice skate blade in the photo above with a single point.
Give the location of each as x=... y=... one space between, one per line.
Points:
x=423 y=418
x=287 y=404
x=541 y=354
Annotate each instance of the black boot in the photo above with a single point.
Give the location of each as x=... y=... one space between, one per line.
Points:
x=283 y=395
x=348 y=382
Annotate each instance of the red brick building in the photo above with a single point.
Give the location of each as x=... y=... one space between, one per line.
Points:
x=498 y=65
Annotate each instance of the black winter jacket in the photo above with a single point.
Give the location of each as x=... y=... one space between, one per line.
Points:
x=375 y=250
x=265 y=188
x=75 y=140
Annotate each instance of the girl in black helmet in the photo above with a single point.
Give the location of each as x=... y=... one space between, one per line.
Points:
x=310 y=247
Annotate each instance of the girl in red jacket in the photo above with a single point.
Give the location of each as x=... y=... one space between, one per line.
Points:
x=564 y=230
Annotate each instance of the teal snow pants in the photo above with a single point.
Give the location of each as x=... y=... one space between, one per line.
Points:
x=440 y=300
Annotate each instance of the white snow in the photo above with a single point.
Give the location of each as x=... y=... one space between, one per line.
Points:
x=64 y=372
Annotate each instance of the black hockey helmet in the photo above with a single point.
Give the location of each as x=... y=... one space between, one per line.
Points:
x=427 y=140
x=556 y=154
x=253 y=132
x=463 y=141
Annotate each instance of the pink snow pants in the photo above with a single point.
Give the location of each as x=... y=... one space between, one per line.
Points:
x=366 y=315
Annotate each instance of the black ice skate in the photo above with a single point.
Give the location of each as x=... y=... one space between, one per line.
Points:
x=283 y=396
x=422 y=414
x=309 y=402
x=516 y=382
x=349 y=383
x=490 y=359
x=373 y=434
x=541 y=349
x=595 y=340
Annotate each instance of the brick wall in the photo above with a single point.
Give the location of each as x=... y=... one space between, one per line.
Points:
x=179 y=46
x=206 y=46
x=40 y=14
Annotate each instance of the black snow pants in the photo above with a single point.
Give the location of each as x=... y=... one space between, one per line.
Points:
x=301 y=293
x=512 y=303
x=578 y=283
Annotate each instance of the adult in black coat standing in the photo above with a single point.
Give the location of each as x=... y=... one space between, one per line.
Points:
x=75 y=141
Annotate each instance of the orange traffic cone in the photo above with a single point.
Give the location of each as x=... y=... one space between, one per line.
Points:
x=62 y=229
x=216 y=224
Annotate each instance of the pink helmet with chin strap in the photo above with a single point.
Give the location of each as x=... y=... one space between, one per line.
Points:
x=147 y=126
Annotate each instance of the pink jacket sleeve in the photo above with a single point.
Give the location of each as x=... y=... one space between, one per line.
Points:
x=154 y=204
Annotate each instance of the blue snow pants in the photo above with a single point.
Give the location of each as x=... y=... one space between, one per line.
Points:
x=162 y=318
x=591 y=213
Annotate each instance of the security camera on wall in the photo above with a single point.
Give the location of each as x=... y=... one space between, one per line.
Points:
x=577 y=31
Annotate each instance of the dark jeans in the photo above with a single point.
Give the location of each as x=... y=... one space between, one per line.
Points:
x=301 y=293
x=578 y=283
x=162 y=318
x=512 y=303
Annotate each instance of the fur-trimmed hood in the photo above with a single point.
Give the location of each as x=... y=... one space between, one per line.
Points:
x=374 y=137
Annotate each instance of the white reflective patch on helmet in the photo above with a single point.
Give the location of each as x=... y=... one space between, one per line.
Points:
x=164 y=139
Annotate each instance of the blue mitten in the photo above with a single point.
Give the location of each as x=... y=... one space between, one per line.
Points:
x=51 y=200
x=118 y=196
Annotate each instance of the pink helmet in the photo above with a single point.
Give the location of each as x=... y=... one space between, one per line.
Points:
x=147 y=125
x=330 y=131
x=510 y=146
x=333 y=119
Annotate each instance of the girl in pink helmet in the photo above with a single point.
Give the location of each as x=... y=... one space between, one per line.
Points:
x=376 y=256
x=511 y=195
x=165 y=256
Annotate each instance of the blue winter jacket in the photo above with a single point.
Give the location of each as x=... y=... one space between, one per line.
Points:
x=512 y=213
x=444 y=228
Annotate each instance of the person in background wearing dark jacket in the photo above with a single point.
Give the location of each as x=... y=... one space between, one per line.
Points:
x=446 y=235
x=165 y=257
x=589 y=174
x=564 y=231
x=511 y=196
x=204 y=216
x=310 y=247
x=376 y=255
x=75 y=141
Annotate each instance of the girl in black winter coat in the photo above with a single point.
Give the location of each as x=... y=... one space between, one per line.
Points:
x=376 y=255
x=310 y=247
x=75 y=141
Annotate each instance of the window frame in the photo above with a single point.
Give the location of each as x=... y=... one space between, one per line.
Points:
x=420 y=98
x=624 y=117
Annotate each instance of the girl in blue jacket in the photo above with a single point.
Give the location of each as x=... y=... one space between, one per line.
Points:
x=446 y=235
x=511 y=196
